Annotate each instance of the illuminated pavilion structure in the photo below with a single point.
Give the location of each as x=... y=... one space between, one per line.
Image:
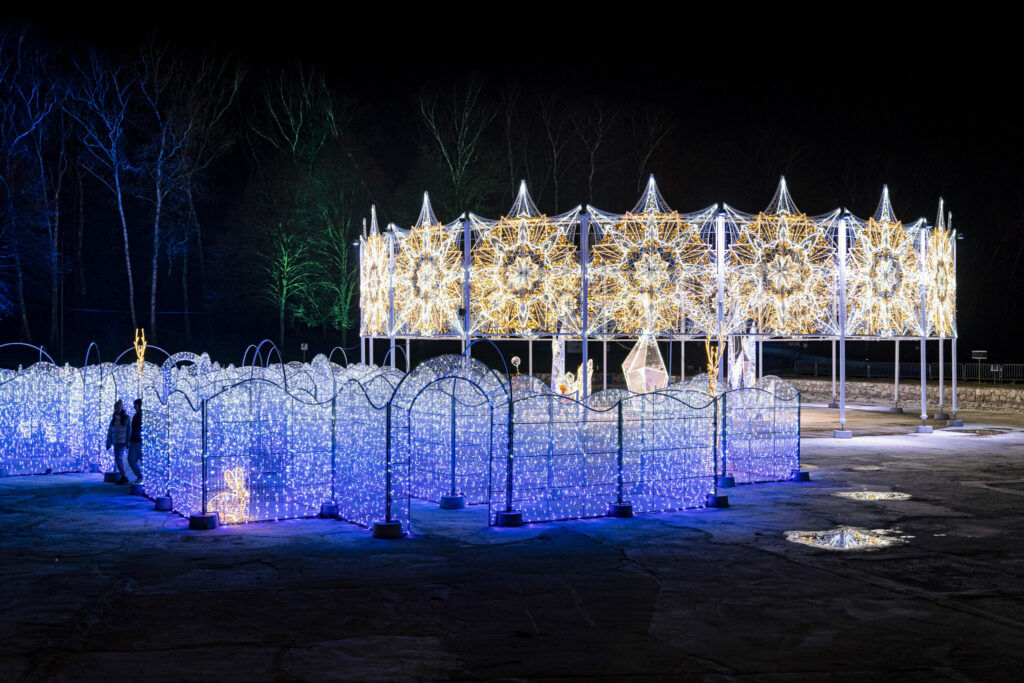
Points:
x=653 y=274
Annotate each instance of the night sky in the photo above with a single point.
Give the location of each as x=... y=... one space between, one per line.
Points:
x=839 y=100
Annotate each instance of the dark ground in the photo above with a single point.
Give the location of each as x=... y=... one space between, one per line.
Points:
x=95 y=585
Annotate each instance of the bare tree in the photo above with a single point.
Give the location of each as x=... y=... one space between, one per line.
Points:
x=558 y=133
x=593 y=125
x=455 y=122
x=100 y=101
x=651 y=127
x=163 y=83
x=28 y=98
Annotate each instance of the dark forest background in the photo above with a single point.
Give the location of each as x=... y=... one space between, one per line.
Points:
x=207 y=183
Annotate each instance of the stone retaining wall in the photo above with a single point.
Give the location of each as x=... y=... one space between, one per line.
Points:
x=996 y=398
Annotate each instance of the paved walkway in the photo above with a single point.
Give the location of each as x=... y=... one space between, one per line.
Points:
x=95 y=585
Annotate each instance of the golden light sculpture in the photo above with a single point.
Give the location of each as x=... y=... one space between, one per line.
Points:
x=525 y=276
x=232 y=506
x=781 y=270
x=941 y=279
x=883 y=277
x=140 y=350
x=428 y=276
x=648 y=269
x=374 y=280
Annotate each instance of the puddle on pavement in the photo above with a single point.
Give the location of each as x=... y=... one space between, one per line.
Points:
x=865 y=468
x=848 y=538
x=872 y=495
x=979 y=432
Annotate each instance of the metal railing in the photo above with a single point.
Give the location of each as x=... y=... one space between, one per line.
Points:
x=986 y=373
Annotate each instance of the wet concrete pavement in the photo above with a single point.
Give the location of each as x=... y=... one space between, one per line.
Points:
x=96 y=585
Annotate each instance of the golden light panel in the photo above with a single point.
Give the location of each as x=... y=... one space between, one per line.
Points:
x=648 y=268
x=525 y=276
x=781 y=270
x=883 y=277
x=941 y=278
x=428 y=276
x=373 y=281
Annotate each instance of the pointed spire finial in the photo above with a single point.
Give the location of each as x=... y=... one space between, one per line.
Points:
x=651 y=201
x=940 y=221
x=884 y=212
x=427 y=216
x=523 y=206
x=374 y=228
x=781 y=201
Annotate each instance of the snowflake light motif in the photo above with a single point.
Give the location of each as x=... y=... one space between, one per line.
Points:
x=781 y=269
x=428 y=277
x=648 y=269
x=525 y=272
x=373 y=280
x=883 y=277
x=941 y=278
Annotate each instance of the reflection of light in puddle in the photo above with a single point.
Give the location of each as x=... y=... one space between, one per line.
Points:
x=865 y=468
x=808 y=466
x=848 y=538
x=872 y=495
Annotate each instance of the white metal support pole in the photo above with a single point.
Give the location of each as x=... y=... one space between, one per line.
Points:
x=465 y=286
x=760 y=358
x=842 y=432
x=896 y=382
x=604 y=366
x=530 y=357
x=952 y=350
x=391 y=295
x=833 y=372
x=584 y=229
x=408 y=362
x=362 y=351
x=682 y=359
x=720 y=263
x=940 y=413
x=923 y=428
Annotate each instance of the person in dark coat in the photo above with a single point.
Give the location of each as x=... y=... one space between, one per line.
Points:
x=135 y=442
x=117 y=437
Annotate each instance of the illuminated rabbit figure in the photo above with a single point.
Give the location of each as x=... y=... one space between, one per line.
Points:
x=233 y=504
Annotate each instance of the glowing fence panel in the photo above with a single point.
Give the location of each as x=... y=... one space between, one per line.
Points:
x=156 y=446
x=37 y=424
x=761 y=436
x=450 y=441
x=185 y=454
x=361 y=443
x=268 y=453
x=554 y=476
x=668 y=460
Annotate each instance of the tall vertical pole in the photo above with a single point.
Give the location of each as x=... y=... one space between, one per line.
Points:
x=940 y=414
x=530 y=356
x=604 y=366
x=720 y=263
x=833 y=374
x=952 y=350
x=362 y=318
x=682 y=360
x=923 y=428
x=896 y=382
x=408 y=362
x=842 y=432
x=391 y=295
x=584 y=230
x=465 y=286
x=760 y=359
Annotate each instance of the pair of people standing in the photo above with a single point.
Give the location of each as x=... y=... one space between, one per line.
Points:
x=125 y=432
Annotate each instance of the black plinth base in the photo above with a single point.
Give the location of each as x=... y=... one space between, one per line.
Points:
x=512 y=518
x=203 y=522
x=714 y=501
x=453 y=502
x=620 y=510
x=389 y=530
